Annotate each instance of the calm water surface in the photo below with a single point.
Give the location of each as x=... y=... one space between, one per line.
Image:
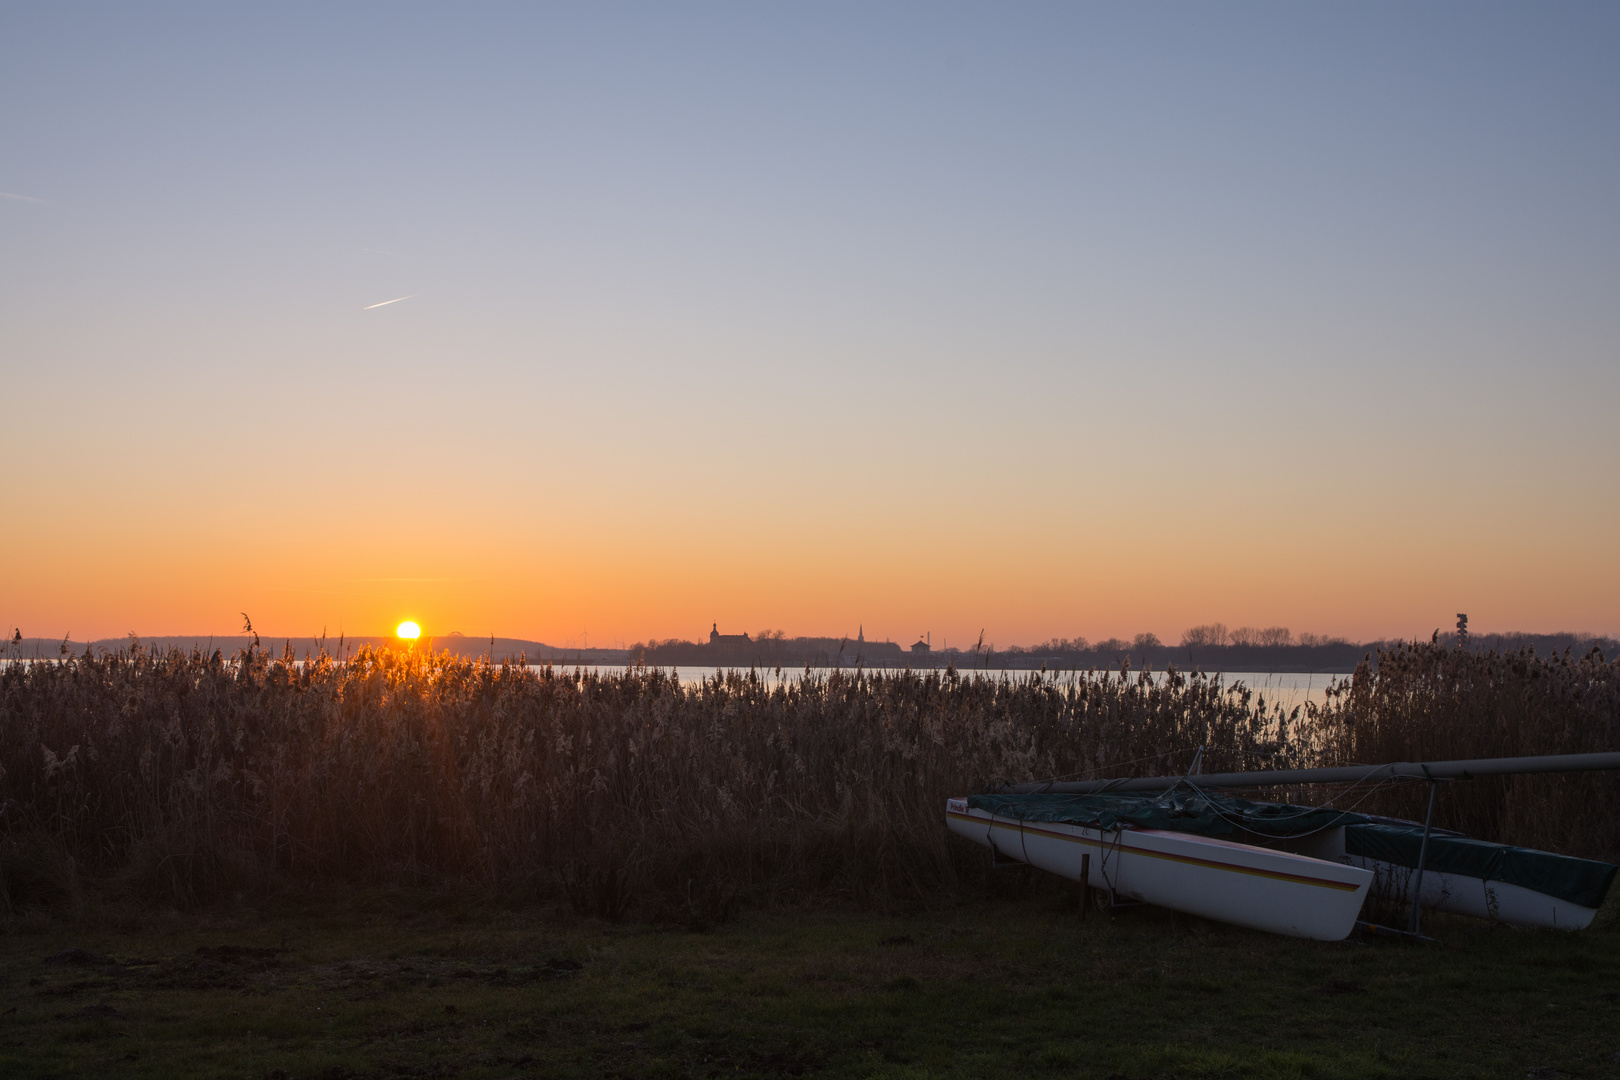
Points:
x=1286 y=688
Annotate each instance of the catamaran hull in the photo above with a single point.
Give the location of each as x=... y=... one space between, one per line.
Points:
x=1260 y=888
x=1457 y=894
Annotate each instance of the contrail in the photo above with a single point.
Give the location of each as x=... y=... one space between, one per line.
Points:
x=385 y=303
x=20 y=198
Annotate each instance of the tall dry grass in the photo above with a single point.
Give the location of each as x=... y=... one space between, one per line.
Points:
x=1429 y=701
x=179 y=777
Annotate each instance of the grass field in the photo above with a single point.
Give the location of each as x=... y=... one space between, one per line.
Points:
x=415 y=984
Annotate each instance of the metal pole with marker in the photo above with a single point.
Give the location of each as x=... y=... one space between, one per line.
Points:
x=1423 y=858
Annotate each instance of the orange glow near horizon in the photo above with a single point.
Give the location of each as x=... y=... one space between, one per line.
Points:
x=1131 y=570
x=569 y=561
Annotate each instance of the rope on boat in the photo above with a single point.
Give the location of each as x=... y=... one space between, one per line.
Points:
x=1303 y=811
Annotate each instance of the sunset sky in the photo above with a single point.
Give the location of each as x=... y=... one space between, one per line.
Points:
x=1036 y=319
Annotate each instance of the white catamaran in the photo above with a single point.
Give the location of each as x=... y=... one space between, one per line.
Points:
x=1249 y=886
x=1301 y=871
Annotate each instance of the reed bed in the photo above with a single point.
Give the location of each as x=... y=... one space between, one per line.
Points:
x=1427 y=702
x=181 y=777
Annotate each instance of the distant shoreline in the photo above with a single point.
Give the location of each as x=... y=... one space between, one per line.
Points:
x=1337 y=658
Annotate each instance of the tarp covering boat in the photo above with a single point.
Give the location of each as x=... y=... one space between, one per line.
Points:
x=1582 y=882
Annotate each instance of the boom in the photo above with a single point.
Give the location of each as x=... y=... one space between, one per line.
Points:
x=1347 y=774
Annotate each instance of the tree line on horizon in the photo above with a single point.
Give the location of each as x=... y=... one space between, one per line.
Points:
x=1209 y=635
x=1211 y=646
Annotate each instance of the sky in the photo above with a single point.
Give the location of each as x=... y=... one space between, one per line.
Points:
x=1031 y=319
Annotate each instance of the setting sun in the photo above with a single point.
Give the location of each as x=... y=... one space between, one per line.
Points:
x=409 y=630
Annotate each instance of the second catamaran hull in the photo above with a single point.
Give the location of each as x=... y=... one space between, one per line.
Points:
x=1261 y=888
x=1498 y=901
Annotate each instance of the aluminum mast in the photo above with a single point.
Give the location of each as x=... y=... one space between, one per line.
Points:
x=1348 y=774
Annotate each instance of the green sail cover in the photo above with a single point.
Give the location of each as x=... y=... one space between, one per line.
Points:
x=1578 y=881
x=1182 y=810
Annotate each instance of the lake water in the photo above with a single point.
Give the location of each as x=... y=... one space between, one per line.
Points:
x=1286 y=688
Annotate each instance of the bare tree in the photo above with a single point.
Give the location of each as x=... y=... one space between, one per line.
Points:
x=1318 y=640
x=1208 y=634
x=1062 y=645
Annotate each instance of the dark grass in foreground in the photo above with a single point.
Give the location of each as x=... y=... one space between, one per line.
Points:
x=411 y=984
